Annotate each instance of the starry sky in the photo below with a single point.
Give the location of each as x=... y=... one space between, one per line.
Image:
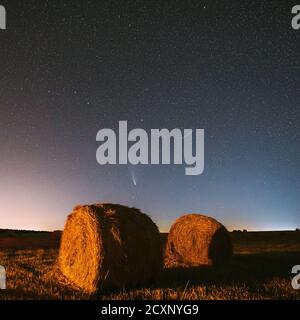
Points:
x=71 y=68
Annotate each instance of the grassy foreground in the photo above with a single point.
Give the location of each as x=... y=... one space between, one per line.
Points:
x=260 y=269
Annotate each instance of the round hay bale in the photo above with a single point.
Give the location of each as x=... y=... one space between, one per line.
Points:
x=195 y=240
x=106 y=246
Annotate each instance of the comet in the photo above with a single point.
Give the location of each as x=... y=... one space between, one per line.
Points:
x=133 y=175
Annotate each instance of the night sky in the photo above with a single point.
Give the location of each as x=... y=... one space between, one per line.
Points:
x=69 y=69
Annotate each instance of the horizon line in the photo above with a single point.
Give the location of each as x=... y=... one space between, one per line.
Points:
x=164 y=231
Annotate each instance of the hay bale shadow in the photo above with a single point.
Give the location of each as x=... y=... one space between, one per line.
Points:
x=242 y=269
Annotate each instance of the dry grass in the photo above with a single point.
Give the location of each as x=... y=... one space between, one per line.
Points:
x=260 y=269
x=196 y=240
x=106 y=246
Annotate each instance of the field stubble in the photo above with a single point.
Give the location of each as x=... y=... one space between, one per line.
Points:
x=260 y=269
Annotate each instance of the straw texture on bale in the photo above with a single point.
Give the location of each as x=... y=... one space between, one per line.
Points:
x=106 y=246
x=196 y=240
